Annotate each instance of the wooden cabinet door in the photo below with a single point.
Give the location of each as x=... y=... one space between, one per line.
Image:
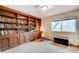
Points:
x=0 y=44
x=31 y=37
x=22 y=39
x=5 y=43
x=13 y=41
x=35 y=35
x=39 y=34
x=27 y=37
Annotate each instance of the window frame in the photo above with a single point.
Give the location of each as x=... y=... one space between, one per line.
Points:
x=65 y=19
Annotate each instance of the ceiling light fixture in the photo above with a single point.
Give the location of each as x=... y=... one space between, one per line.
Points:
x=44 y=7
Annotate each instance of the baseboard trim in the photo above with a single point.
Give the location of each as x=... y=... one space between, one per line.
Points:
x=74 y=45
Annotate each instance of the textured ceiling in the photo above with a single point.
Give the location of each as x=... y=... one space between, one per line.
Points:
x=37 y=11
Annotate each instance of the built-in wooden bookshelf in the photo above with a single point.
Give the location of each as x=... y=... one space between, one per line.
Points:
x=32 y=24
x=22 y=23
x=8 y=25
x=13 y=24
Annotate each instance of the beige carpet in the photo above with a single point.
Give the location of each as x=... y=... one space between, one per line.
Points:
x=40 y=47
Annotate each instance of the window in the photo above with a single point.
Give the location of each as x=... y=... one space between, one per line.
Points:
x=67 y=25
x=56 y=26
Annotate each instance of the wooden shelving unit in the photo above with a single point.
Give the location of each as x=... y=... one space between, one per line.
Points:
x=32 y=24
x=13 y=24
x=7 y=24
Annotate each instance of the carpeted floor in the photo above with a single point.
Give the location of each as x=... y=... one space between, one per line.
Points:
x=40 y=47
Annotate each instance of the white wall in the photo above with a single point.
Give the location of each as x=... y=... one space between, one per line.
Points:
x=73 y=37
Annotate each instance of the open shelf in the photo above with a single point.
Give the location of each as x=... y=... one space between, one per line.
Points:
x=8 y=22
